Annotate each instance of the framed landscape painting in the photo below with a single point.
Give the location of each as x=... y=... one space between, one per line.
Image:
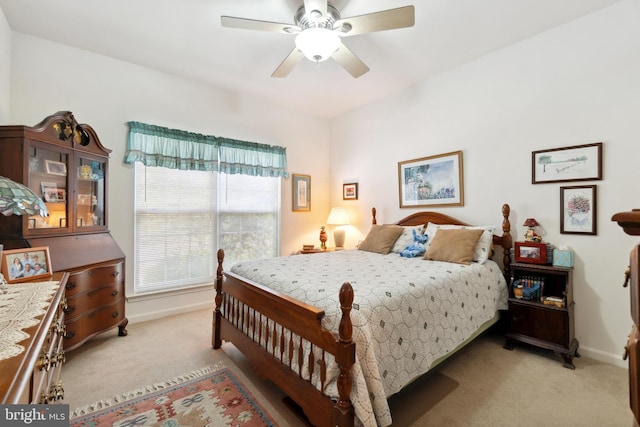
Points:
x=431 y=181
x=577 y=163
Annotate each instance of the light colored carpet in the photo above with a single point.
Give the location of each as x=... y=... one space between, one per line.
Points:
x=483 y=385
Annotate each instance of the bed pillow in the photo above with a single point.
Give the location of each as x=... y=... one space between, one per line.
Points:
x=453 y=245
x=381 y=238
x=483 y=248
x=406 y=238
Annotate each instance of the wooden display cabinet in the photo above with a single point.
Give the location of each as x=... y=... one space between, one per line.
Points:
x=546 y=319
x=66 y=164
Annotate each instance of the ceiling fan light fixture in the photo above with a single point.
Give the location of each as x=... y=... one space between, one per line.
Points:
x=317 y=44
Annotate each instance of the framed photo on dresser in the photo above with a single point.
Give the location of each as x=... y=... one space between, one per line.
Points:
x=26 y=265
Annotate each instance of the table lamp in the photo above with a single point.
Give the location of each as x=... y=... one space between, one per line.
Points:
x=530 y=235
x=18 y=199
x=338 y=217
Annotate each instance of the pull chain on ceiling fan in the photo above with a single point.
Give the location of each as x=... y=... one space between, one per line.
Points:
x=319 y=27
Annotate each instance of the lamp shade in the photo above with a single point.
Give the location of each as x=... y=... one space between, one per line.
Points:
x=317 y=44
x=18 y=199
x=338 y=216
x=531 y=222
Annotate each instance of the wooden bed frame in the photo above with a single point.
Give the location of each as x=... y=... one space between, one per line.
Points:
x=272 y=330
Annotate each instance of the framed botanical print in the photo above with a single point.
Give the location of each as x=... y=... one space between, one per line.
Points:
x=578 y=210
x=301 y=193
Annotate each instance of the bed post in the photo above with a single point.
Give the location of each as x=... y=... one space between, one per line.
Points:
x=215 y=339
x=373 y=216
x=506 y=241
x=345 y=357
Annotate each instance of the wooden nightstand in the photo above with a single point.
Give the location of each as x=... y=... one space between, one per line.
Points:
x=546 y=320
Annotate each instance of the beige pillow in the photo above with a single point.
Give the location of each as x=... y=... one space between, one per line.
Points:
x=453 y=245
x=381 y=238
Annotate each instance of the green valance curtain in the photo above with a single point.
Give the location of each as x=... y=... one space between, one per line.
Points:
x=176 y=149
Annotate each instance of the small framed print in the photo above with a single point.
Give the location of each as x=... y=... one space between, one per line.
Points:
x=56 y=168
x=350 y=191
x=301 y=189
x=578 y=210
x=531 y=252
x=26 y=265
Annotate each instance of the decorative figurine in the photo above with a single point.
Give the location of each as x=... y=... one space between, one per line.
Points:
x=323 y=238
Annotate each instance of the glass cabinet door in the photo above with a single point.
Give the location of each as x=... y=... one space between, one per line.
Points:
x=90 y=207
x=48 y=178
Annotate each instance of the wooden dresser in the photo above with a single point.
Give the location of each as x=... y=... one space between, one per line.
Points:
x=65 y=163
x=33 y=376
x=630 y=222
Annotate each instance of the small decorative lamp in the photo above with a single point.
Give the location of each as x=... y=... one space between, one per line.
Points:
x=338 y=217
x=18 y=199
x=531 y=235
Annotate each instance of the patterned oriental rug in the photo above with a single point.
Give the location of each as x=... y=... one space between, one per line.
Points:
x=210 y=397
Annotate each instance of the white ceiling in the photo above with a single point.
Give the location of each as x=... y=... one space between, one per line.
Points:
x=185 y=38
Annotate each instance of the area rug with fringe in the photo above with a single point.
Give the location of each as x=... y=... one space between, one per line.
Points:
x=209 y=397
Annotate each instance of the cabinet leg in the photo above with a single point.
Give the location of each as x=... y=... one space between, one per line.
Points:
x=568 y=361
x=122 y=328
x=508 y=344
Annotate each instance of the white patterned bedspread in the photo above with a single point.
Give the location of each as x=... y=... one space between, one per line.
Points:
x=407 y=312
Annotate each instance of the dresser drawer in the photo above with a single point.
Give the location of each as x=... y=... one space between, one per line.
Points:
x=93 y=322
x=79 y=305
x=87 y=280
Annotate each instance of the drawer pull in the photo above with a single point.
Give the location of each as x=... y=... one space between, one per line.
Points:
x=69 y=335
x=57 y=392
x=69 y=309
x=70 y=285
x=44 y=362
x=115 y=273
x=627 y=276
x=115 y=314
x=114 y=293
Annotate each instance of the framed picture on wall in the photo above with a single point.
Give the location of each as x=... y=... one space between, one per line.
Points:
x=431 y=181
x=578 y=210
x=577 y=163
x=301 y=193
x=350 y=191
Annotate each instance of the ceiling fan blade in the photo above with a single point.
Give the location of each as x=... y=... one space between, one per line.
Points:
x=252 y=24
x=287 y=65
x=349 y=61
x=319 y=5
x=401 y=17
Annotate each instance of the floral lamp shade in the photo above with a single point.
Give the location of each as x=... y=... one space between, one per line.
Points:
x=18 y=199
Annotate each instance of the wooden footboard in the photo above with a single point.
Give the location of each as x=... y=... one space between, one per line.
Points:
x=285 y=342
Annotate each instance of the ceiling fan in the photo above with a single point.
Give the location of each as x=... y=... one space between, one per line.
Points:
x=319 y=27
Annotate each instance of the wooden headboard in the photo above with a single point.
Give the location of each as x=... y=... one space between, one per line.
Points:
x=423 y=218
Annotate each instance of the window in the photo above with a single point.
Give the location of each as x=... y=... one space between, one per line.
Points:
x=196 y=193
x=183 y=217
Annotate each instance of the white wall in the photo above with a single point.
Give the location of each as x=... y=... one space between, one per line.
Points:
x=5 y=68
x=107 y=93
x=575 y=84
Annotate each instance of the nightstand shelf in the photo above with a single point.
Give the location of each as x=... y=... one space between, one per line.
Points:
x=547 y=325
